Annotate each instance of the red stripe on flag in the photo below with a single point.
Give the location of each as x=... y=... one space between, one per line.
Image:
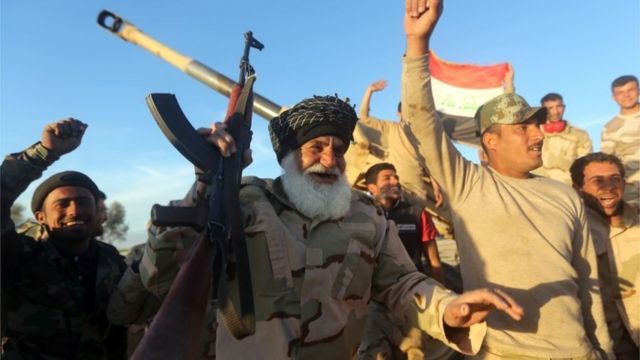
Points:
x=467 y=75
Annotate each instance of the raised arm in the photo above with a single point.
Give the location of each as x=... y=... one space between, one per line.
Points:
x=18 y=170
x=508 y=82
x=445 y=163
x=366 y=98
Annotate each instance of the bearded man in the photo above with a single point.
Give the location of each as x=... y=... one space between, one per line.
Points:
x=56 y=279
x=615 y=226
x=320 y=251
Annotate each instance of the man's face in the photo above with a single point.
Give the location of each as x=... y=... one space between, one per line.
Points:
x=327 y=151
x=314 y=179
x=603 y=187
x=626 y=95
x=387 y=186
x=69 y=213
x=515 y=149
x=555 y=110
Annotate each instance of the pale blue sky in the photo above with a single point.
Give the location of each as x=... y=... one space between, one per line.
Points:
x=56 y=62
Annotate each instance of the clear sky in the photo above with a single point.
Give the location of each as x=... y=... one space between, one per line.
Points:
x=57 y=62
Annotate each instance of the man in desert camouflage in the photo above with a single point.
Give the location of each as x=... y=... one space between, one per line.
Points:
x=621 y=135
x=563 y=143
x=319 y=251
x=615 y=228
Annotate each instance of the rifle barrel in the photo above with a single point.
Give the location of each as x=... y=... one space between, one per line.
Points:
x=262 y=106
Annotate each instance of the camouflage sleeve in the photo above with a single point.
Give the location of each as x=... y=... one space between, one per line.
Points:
x=165 y=251
x=16 y=173
x=131 y=303
x=585 y=264
x=415 y=300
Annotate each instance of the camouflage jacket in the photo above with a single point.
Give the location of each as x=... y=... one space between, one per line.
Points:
x=618 y=251
x=45 y=311
x=560 y=150
x=621 y=137
x=312 y=281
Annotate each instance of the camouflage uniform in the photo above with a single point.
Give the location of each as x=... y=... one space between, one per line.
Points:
x=618 y=250
x=45 y=311
x=621 y=137
x=135 y=305
x=312 y=281
x=560 y=150
x=32 y=229
x=131 y=304
x=377 y=141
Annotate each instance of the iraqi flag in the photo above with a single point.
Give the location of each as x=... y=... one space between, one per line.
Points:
x=458 y=91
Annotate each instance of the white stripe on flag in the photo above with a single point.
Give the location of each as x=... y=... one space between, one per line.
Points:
x=459 y=101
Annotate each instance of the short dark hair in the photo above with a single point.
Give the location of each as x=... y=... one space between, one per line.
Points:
x=578 y=166
x=493 y=129
x=623 y=80
x=371 y=176
x=551 y=97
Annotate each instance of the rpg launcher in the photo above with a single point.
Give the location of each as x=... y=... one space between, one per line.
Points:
x=175 y=332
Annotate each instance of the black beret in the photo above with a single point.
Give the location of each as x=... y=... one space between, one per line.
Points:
x=310 y=118
x=65 y=178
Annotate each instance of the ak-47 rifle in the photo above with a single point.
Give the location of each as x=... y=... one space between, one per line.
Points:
x=175 y=332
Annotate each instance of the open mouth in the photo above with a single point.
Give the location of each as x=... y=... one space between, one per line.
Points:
x=535 y=147
x=608 y=201
x=72 y=223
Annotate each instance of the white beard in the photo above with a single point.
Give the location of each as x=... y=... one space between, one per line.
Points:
x=314 y=200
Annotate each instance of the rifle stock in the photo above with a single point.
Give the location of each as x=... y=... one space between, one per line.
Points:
x=176 y=330
x=262 y=106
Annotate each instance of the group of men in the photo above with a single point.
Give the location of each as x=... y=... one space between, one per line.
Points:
x=339 y=273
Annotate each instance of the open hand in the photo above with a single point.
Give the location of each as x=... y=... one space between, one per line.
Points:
x=378 y=85
x=473 y=307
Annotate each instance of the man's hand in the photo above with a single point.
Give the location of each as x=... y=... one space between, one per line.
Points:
x=217 y=135
x=420 y=19
x=63 y=136
x=509 y=75
x=472 y=307
x=378 y=86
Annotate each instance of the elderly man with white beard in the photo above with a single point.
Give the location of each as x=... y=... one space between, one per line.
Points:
x=320 y=251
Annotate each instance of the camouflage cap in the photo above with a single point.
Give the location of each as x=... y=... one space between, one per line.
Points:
x=310 y=118
x=507 y=109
